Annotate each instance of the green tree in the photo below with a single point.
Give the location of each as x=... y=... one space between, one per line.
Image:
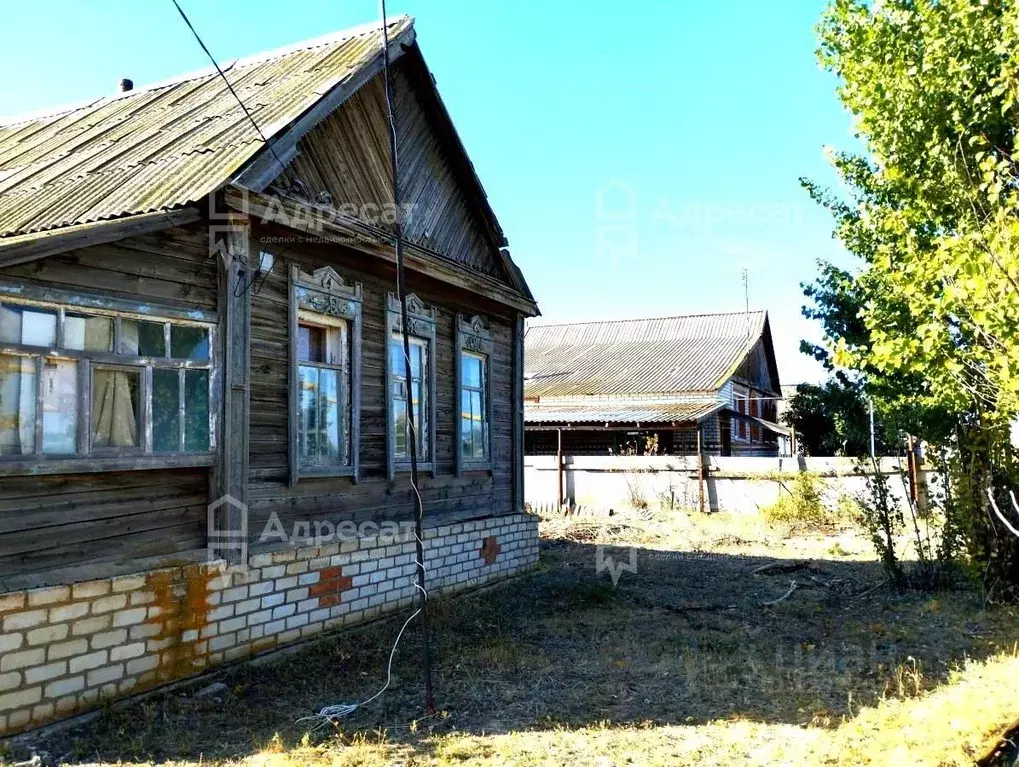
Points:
x=928 y=320
x=832 y=418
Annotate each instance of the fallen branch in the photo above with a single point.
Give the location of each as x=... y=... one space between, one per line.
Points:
x=872 y=589
x=792 y=587
x=820 y=582
x=783 y=567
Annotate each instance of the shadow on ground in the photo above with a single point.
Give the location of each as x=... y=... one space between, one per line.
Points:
x=682 y=640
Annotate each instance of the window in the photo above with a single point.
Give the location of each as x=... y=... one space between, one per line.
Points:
x=402 y=433
x=325 y=354
x=741 y=406
x=473 y=393
x=323 y=375
x=420 y=403
x=76 y=382
x=755 y=411
x=473 y=413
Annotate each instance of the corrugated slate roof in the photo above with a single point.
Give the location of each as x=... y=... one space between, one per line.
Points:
x=170 y=144
x=694 y=353
x=620 y=412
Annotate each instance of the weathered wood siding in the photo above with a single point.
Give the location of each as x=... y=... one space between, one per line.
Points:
x=338 y=499
x=347 y=155
x=64 y=520
x=754 y=371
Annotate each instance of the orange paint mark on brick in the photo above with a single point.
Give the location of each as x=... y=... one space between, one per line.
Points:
x=490 y=549
x=332 y=583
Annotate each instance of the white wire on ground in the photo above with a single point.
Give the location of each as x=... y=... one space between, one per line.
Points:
x=331 y=714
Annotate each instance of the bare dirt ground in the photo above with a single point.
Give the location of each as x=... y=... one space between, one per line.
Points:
x=678 y=663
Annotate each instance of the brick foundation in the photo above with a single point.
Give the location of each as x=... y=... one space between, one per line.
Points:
x=63 y=648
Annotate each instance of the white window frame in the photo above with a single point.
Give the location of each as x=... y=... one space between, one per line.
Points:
x=88 y=457
x=473 y=337
x=421 y=322
x=323 y=298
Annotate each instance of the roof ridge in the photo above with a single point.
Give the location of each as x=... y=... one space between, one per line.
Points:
x=644 y=319
x=9 y=121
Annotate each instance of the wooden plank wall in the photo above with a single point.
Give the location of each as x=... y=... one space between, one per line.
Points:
x=63 y=520
x=347 y=155
x=446 y=498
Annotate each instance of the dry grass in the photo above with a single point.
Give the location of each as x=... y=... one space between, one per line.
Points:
x=677 y=664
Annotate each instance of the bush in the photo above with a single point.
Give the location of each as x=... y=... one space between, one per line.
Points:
x=802 y=506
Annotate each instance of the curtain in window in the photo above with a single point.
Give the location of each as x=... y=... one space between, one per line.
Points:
x=113 y=409
x=17 y=405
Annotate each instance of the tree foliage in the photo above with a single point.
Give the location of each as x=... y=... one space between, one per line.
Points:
x=832 y=418
x=929 y=319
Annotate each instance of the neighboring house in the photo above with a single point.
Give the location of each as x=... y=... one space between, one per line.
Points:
x=787 y=442
x=200 y=351
x=609 y=387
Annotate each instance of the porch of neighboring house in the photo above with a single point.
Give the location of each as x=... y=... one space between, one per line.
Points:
x=681 y=429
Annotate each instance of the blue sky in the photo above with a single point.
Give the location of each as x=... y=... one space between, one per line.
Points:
x=639 y=155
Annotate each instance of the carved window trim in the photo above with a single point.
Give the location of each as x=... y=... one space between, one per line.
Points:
x=325 y=293
x=474 y=336
x=421 y=322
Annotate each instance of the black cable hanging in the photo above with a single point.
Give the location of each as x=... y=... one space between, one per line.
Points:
x=401 y=291
x=401 y=288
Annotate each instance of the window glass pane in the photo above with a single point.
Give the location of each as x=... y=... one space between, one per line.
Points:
x=308 y=397
x=10 y=325
x=196 y=410
x=28 y=326
x=188 y=343
x=336 y=345
x=472 y=371
x=142 y=338
x=417 y=352
x=17 y=405
x=477 y=427
x=467 y=447
x=400 y=447
x=60 y=407
x=85 y=333
x=329 y=415
x=319 y=424
x=421 y=422
x=115 y=395
x=396 y=364
x=165 y=411
x=309 y=344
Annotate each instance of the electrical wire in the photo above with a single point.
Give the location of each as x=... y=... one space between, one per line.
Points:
x=240 y=102
x=242 y=287
x=401 y=289
x=332 y=713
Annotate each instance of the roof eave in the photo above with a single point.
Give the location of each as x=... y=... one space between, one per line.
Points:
x=22 y=248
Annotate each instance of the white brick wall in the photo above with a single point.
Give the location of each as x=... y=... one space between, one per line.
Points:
x=65 y=648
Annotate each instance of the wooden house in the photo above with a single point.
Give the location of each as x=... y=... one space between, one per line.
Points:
x=707 y=382
x=200 y=357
